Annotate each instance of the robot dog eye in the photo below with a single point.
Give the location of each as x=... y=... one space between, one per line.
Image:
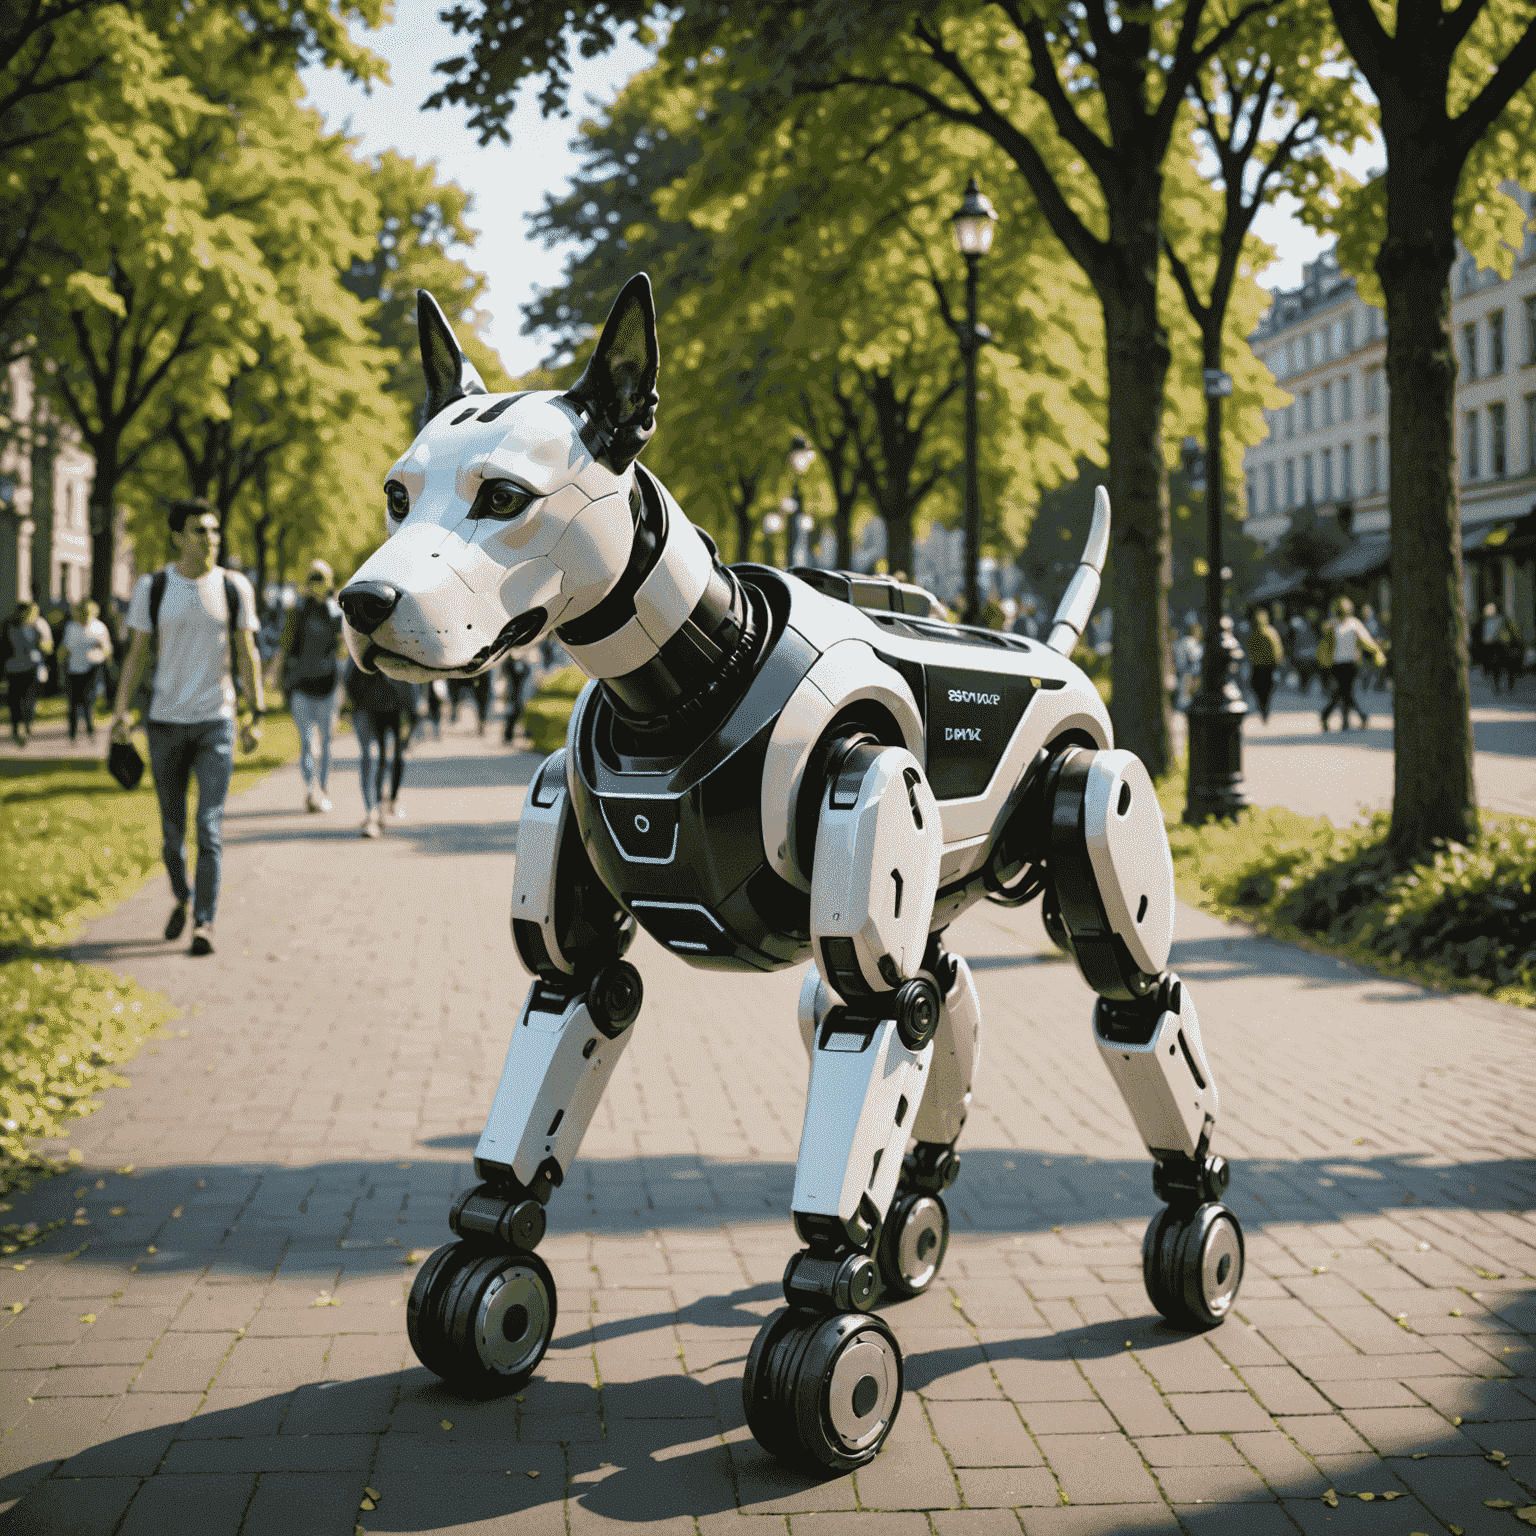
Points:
x=502 y=500
x=396 y=500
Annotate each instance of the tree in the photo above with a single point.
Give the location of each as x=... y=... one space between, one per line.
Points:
x=1458 y=115
x=1087 y=123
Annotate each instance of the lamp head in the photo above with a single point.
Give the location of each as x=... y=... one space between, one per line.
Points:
x=973 y=221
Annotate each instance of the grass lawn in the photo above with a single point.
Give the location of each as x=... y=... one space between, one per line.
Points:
x=76 y=845
x=1460 y=917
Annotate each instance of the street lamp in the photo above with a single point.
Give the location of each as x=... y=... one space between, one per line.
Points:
x=773 y=526
x=1216 y=711
x=801 y=456
x=973 y=223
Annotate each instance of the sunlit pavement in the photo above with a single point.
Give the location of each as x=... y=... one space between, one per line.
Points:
x=229 y=1352
x=1291 y=761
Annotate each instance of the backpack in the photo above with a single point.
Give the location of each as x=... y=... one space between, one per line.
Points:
x=157 y=586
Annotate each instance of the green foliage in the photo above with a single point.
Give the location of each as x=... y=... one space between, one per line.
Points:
x=63 y=1031
x=1460 y=915
x=547 y=715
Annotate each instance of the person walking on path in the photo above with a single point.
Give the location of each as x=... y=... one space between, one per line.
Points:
x=1344 y=638
x=28 y=644
x=87 y=644
x=1266 y=651
x=1188 y=653
x=379 y=708
x=204 y=619
x=312 y=649
x=517 y=670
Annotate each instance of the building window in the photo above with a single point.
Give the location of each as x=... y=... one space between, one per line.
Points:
x=1496 y=465
x=1349 y=331
x=1373 y=466
x=1271 y=503
x=1336 y=336
x=1307 y=492
x=1328 y=403
x=1290 y=419
x=1530 y=431
x=1306 y=410
x=1290 y=484
x=1372 y=391
x=1327 y=474
x=1469 y=349
x=1496 y=341
x=1530 y=329
x=1347 y=470
x=1470 y=467
x=1347 y=397
x=1306 y=350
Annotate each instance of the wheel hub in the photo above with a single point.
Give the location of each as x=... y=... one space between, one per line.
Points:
x=921 y=1235
x=512 y=1320
x=1220 y=1266
x=861 y=1395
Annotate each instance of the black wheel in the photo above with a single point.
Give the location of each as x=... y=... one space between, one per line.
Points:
x=481 y=1320
x=822 y=1391
x=912 y=1244
x=1192 y=1262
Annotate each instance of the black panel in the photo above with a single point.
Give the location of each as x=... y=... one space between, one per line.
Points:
x=645 y=828
x=971 y=717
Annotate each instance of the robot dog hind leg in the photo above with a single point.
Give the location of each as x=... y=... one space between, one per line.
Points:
x=482 y=1310
x=1113 y=877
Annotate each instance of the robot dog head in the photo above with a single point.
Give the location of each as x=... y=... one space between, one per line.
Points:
x=509 y=514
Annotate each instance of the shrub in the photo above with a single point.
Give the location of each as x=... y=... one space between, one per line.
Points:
x=547 y=715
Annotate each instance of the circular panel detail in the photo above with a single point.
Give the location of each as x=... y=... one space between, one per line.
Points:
x=512 y=1321
x=861 y=1394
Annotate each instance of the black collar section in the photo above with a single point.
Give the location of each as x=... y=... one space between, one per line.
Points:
x=618 y=607
x=701 y=668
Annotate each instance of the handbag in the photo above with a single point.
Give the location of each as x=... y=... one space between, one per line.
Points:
x=125 y=765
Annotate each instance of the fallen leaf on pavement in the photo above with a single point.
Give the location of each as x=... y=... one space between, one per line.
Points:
x=447 y=1423
x=87 y=1317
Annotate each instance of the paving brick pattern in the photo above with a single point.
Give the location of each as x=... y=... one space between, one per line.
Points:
x=227 y=1353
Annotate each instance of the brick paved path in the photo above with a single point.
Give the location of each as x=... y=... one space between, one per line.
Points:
x=303 y=1132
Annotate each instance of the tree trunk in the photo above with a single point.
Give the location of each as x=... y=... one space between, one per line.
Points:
x=1432 y=793
x=1141 y=546
x=103 y=522
x=898 y=542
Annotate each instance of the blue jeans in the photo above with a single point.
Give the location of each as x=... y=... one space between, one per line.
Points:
x=205 y=750
x=312 y=714
x=373 y=733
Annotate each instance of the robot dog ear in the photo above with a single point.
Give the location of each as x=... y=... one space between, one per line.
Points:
x=617 y=389
x=450 y=375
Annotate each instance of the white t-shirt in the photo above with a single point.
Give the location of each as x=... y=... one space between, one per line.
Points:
x=88 y=644
x=1346 y=640
x=192 y=681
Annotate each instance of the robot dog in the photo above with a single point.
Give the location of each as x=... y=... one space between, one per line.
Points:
x=766 y=768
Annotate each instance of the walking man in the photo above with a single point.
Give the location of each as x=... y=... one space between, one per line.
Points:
x=1349 y=637
x=204 y=619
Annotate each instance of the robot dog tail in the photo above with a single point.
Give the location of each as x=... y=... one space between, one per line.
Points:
x=1083 y=590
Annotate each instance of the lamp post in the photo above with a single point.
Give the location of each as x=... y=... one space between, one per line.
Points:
x=1216 y=711
x=972 y=222
x=801 y=456
x=773 y=526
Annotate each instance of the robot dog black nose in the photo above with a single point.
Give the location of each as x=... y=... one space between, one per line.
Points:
x=367 y=604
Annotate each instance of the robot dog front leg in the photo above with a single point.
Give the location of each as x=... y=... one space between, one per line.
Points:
x=482 y=1310
x=824 y=1378
x=1113 y=876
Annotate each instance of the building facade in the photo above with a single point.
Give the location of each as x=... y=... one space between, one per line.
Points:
x=1326 y=452
x=45 y=489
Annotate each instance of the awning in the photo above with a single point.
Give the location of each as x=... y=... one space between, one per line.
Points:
x=1274 y=585
x=1488 y=537
x=1363 y=558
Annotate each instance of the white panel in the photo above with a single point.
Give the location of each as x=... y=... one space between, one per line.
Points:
x=1166 y=1102
x=956 y=1058
x=850 y=1114
x=1128 y=850
x=625 y=649
x=674 y=585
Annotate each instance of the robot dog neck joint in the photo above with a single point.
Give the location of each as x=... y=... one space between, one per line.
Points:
x=838 y=1280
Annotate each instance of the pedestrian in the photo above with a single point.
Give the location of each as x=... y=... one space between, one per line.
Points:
x=1266 y=651
x=1303 y=649
x=1028 y=622
x=203 y=620
x=379 y=706
x=516 y=670
x=1342 y=642
x=28 y=644
x=87 y=644
x=1503 y=649
x=479 y=689
x=1188 y=653
x=312 y=651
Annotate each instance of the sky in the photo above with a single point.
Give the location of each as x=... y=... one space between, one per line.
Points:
x=509 y=182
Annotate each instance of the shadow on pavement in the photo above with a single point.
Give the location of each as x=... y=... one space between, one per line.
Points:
x=664 y=1446
x=327 y=1220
